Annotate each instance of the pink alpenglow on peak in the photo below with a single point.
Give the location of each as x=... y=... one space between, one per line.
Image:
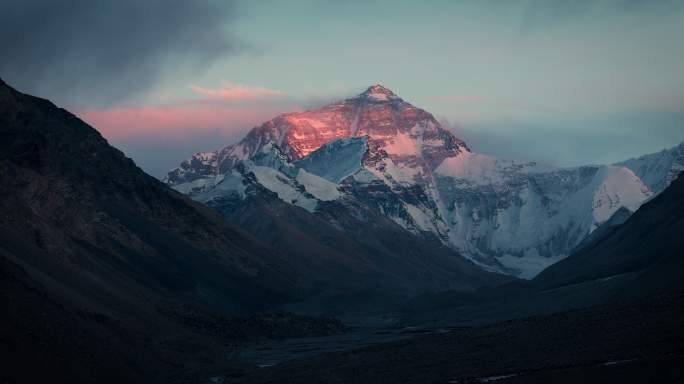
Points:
x=378 y=113
x=378 y=93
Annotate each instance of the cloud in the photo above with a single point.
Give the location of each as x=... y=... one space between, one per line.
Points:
x=159 y=136
x=236 y=92
x=97 y=53
x=573 y=142
x=184 y=120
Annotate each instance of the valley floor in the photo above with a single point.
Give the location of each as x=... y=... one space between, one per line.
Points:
x=625 y=343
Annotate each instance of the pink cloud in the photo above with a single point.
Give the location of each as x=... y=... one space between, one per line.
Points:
x=220 y=112
x=180 y=122
x=235 y=92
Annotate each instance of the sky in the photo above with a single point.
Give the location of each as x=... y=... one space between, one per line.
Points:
x=563 y=82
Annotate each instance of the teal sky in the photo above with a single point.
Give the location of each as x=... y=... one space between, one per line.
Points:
x=566 y=82
x=571 y=84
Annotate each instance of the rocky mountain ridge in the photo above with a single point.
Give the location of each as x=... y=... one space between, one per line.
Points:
x=378 y=150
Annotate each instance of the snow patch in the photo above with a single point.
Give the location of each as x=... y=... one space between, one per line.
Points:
x=657 y=170
x=391 y=173
x=419 y=217
x=364 y=176
x=284 y=187
x=401 y=144
x=319 y=187
x=194 y=186
x=619 y=187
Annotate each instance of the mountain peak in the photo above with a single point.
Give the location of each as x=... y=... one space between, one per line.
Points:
x=377 y=92
x=378 y=89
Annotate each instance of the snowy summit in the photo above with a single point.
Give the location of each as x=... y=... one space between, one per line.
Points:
x=378 y=151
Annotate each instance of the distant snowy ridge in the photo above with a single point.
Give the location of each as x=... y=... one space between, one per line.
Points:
x=380 y=151
x=657 y=170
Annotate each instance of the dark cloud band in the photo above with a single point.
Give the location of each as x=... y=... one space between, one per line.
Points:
x=84 y=52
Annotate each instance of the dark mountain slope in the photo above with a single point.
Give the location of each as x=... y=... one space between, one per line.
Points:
x=630 y=278
x=106 y=273
x=649 y=244
x=64 y=187
x=641 y=257
x=368 y=264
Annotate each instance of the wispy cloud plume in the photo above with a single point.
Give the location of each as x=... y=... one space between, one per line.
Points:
x=100 y=53
x=237 y=92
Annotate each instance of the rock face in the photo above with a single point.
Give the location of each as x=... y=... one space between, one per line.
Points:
x=382 y=152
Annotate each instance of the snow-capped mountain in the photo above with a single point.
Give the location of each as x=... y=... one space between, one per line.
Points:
x=657 y=170
x=382 y=152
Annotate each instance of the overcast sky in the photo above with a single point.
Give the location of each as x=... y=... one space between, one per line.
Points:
x=565 y=82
